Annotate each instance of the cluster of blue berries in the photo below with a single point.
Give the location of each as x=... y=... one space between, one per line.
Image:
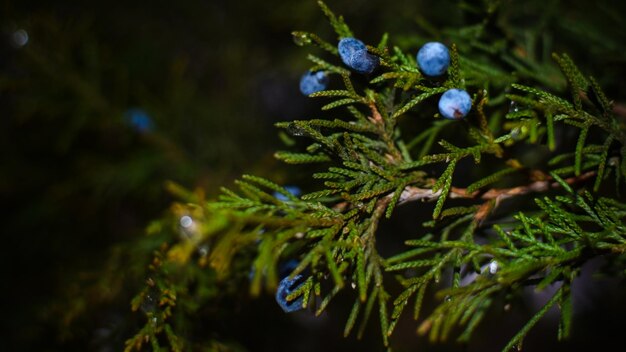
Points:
x=353 y=53
x=287 y=286
x=433 y=60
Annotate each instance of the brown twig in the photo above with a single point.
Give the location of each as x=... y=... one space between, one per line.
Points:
x=492 y=197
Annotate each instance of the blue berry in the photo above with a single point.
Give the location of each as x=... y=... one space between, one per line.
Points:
x=354 y=54
x=139 y=120
x=295 y=190
x=347 y=47
x=433 y=59
x=455 y=104
x=312 y=82
x=364 y=62
x=285 y=288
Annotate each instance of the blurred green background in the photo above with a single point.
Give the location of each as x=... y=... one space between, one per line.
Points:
x=79 y=183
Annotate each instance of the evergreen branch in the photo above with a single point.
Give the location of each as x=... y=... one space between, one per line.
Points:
x=300 y=158
x=429 y=136
x=605 y=104
x=443 y=185
x=339 y=25
x=418 y=99
x=489 y=179
x=332 y=231
x=456 y=79
x=602 y=164
x=337 y=93
x=306 y=38
x=338 y=103
x=516 y=341
x=326 y=66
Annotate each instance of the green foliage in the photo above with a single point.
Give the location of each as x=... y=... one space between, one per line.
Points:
x=367 y=166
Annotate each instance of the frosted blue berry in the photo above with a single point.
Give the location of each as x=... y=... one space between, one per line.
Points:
x=433 y=59
x=312 y=82
x=364 y=62
x=139 y=120
x=354 y=54
x=455 y=104
x=347 y=47
x=285 y=288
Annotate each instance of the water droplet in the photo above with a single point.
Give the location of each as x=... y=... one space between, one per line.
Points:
x=513 y=107
x=493 y=267
x=203 y=250
x=188 y=227
x=294 y=130
x=186 y=221
x=19 y=38
x=301 y=38
x=516 y=133
x=149 y=303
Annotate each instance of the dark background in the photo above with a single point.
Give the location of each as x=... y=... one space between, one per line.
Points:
x=77 y=183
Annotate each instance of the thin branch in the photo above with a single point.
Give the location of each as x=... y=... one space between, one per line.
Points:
x=492 y=197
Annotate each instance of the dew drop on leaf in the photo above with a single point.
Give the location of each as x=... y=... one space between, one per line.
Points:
x=301 y=38
x=203 y=250
x=186 y=221
x=493 y=267
x=149 y=303
x=294 y=130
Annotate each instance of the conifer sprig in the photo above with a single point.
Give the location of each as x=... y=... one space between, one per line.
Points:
x=366 y=169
